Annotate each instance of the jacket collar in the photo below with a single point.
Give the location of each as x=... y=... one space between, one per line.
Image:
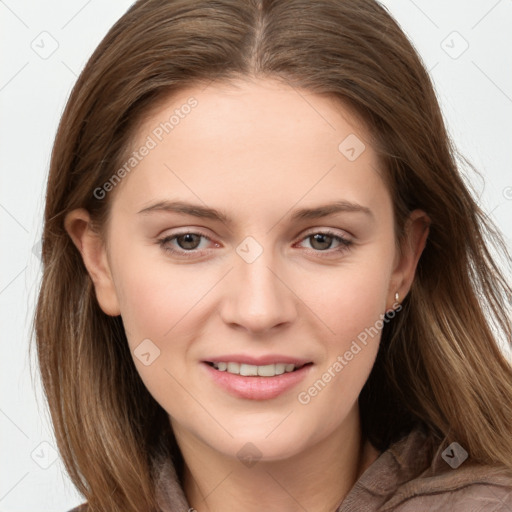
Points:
x=411 y=466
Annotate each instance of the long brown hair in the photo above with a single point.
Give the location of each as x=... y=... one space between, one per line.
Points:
x=439 y=361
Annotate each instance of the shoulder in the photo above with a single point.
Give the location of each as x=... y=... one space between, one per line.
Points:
x=419 y=473
x=481 y=497
x=442 y=485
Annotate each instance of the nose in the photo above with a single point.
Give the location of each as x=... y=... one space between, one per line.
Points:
x=258 y=298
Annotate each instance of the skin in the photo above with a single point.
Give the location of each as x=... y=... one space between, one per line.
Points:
x=257 y=150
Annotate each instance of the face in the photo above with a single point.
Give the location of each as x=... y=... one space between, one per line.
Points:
x=224 y=247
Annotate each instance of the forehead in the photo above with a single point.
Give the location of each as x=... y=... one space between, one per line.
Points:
x=254 y=109
x=251 y=143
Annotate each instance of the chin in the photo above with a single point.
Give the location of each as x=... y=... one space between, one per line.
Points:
x=262 y=444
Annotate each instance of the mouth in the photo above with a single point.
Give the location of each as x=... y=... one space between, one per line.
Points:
x=256 y=382
x=250 y=370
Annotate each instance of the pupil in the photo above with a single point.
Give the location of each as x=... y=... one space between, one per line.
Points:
x=318 y=238
x=188 y=238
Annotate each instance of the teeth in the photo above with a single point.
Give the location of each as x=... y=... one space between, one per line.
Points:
x=250 y=370
x=280 y=368
x=233 y=368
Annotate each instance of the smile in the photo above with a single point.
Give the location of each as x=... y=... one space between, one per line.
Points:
x=256 y=382
x=250 y=370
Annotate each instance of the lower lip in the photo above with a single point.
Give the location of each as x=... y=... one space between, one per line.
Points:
x=257 y=388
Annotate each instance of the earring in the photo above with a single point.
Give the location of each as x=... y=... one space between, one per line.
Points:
x=397 y=296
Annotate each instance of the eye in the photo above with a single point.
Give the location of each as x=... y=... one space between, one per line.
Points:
x=187 y=243
x=322 y=240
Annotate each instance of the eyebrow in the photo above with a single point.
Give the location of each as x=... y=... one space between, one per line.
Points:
x=204 y=212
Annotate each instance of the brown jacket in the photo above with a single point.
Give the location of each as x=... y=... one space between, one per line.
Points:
x=410 y=476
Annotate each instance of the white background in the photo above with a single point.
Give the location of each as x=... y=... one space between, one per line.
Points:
x=475 y=91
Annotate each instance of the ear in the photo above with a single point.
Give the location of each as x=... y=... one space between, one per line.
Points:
x=417 y=228
x=92 y=248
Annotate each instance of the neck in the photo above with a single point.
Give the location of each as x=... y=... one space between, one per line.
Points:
x=316 y=479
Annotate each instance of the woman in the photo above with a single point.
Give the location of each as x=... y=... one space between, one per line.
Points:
x=263 y=271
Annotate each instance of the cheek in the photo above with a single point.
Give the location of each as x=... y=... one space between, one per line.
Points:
x=347 y=299
x=352 y=347
x=157 y=304
x=153 y=293
x=351 y=308
x=350 y=354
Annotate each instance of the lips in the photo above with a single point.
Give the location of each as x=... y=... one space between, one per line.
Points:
x=258 y=360
x=256 y=386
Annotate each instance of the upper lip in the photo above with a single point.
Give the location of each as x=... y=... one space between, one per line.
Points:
x=258 y=361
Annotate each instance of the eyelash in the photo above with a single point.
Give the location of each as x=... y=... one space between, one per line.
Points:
x=345 y=244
